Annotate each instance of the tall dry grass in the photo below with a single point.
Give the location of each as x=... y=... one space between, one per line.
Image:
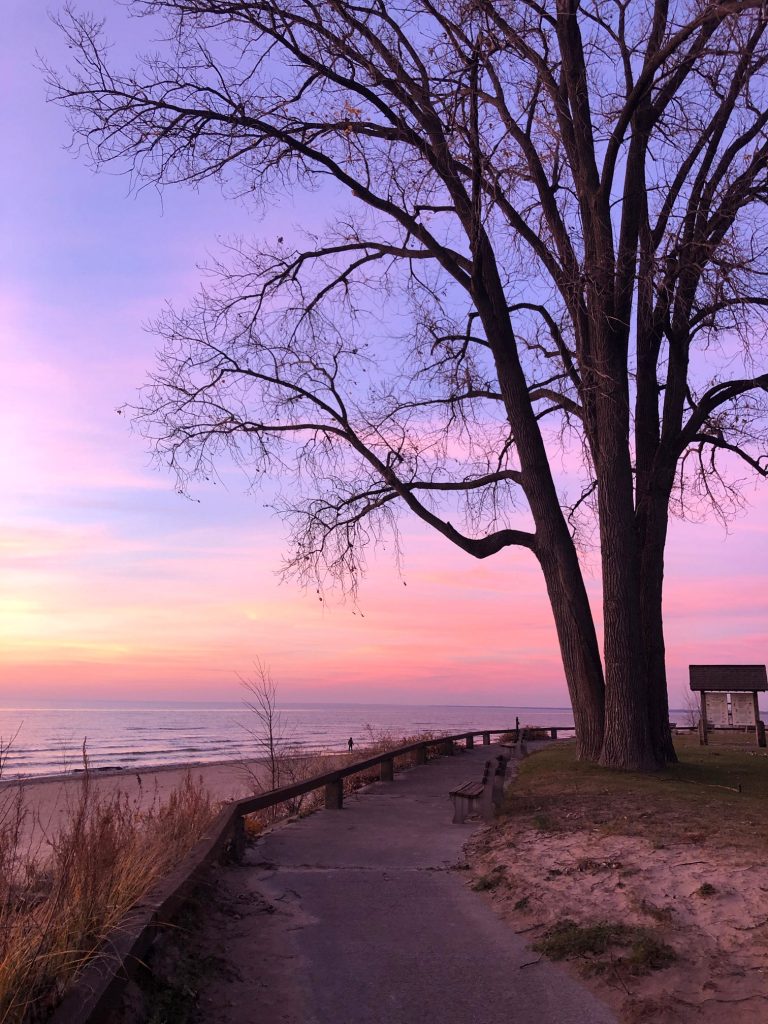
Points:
x=379 y=741
x=59 y=901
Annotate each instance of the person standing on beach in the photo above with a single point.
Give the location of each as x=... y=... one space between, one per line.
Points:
x=350 y=744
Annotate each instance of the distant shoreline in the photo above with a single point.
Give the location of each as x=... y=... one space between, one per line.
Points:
x=125 y=772
x=46 y=743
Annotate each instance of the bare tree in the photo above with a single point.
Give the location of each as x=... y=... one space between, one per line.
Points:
x=554 y=236
x=269 y=735
x=276 y=748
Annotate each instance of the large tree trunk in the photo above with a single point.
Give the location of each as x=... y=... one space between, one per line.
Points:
x=653 y=518
x=554 y=544
x=628 y=740
x=578 y=644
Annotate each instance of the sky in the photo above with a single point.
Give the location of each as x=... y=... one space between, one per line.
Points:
x=114 y=586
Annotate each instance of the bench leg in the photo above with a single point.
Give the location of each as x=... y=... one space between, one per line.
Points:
x=497 y=794
x=458 y=810
x=487 y=807
x=463 y=806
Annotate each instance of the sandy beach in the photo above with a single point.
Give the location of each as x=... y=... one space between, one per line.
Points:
x=49 y=800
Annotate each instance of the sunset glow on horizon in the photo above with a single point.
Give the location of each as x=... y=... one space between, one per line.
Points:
x=114 y=586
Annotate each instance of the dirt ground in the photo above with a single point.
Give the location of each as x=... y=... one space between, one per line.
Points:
x=680 y=858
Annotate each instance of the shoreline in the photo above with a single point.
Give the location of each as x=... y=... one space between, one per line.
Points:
x=46 y=742
x=124 y=771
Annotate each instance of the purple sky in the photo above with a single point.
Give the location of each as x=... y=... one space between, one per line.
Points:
x=112 y=585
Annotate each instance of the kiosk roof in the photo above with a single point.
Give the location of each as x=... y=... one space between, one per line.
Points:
x=728 y=677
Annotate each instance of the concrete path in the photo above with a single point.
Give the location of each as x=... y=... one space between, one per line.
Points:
x=364 y=916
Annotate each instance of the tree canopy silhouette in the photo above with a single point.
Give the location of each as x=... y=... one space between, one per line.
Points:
x=550 y=235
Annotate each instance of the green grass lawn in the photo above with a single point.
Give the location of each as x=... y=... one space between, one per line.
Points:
x=696 y=800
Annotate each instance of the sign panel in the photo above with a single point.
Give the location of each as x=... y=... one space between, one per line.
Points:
x=742 y=708
x=717 y=709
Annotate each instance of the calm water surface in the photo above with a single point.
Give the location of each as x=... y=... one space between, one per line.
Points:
x=49 y=738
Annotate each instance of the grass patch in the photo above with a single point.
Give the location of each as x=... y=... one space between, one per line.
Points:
x=545 y=822
x=484 y=883
x=490 y=880
x=567 y=939
x=648 y=953
x=695 y=801
x=642 y=951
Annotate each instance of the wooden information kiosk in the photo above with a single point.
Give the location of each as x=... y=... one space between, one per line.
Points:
x=729 y=697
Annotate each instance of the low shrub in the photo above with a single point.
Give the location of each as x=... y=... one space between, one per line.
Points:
x=534 y=732
x=592 y=943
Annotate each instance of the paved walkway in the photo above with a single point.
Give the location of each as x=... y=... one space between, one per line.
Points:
x=360 y=916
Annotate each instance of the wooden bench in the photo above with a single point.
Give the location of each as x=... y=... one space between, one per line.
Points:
x=480 y=797
x=517 y=748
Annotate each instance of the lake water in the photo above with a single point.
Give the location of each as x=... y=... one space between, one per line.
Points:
x=48 y=738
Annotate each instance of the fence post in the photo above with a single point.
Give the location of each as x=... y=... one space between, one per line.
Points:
x=703 y=741
x=486 y=739
x=470 y=741
x=387 y=773
x=553 y=734
x=421 y=754
x=448 y=748
x=334 y=795
x=237 y=842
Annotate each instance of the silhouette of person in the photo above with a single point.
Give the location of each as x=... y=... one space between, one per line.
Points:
x=350 y=744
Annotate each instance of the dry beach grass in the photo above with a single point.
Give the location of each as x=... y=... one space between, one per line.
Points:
x=61 y=898
x=653 y=887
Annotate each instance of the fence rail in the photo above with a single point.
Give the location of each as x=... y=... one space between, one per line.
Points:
x=333 y=781
x=95 y=995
